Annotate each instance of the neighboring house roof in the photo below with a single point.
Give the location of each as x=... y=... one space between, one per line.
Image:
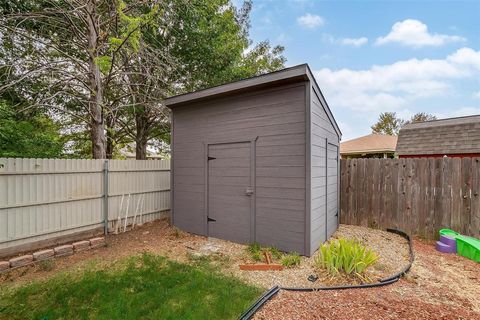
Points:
x=445 y=136
x=293 y=74
x=372 y=143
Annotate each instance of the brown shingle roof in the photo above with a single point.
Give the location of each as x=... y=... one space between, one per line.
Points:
x=371 y=143
x=446 y=136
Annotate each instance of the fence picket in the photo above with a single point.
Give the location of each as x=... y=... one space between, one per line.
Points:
x=417 y=195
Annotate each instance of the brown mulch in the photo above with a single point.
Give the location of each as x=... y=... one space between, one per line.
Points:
x=375 y=303
x=438 y=286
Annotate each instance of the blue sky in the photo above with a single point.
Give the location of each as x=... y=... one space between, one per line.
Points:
x=374 y=56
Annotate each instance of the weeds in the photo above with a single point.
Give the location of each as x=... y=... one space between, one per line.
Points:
x=291 y=260
x=176 y=232
x=46 y=265
x=288 y=260
x=276 y=254
x=255 y=251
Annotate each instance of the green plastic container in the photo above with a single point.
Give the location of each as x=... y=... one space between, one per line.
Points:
x=467 y=247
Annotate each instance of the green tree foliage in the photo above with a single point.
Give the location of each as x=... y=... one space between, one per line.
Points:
x=28 y=135
x=387 y=123
x=103 y=67
x=421 y=117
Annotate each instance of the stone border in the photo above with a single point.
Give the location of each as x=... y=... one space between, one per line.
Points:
x=47 y=254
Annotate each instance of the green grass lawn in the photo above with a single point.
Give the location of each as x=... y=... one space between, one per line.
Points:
x=145 y=287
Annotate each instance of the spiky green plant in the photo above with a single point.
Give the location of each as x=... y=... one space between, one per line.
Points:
x=255 y=251
x=291 y=260
x=276 y=253
x=345 y=255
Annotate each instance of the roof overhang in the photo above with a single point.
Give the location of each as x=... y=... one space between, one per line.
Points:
x=299 y=73
x=367 y=151
x=288 y=75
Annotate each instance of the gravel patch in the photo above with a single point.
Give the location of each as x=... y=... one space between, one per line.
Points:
x=392 y=249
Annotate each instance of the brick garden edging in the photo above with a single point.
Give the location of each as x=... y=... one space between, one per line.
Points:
x=47 y=254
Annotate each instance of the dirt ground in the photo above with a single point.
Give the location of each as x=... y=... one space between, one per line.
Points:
x=438 y=286
x=159 y=238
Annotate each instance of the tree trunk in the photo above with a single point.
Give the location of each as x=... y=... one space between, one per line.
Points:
x=97 y=133
x=141 y=134
x=110 y=136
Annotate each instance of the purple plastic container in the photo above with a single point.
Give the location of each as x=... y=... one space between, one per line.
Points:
x=445 y=248
x=452 y=242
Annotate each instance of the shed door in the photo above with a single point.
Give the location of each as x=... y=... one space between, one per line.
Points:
x=229 y=191
x=332 y=189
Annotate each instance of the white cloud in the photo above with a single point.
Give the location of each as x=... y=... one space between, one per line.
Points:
x=476 y=95
x=414 y=33
x=310 y=21
x=467 y=57
x=355 y=42
x=396 y=86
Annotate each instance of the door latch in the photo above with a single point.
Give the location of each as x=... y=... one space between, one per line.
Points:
x=249 y=191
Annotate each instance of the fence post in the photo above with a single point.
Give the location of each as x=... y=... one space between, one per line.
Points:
x=105 y=198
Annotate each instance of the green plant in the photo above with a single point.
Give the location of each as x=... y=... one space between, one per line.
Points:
x=276 y=254
x=291 y=260
x=254 y=247
x=345 y=255
x=255 y=251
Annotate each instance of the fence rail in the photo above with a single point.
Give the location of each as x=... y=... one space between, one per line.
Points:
x=418 y=195
x=42 y=199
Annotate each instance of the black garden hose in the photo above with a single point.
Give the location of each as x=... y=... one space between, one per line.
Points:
x=383 y=282
x=259 y=303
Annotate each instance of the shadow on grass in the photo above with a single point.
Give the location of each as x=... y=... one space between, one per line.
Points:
x=145 y=287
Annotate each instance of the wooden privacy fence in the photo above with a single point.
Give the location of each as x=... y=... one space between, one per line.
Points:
x=45 y=200
x=418 y=195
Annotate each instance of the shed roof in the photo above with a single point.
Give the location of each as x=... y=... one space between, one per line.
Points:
x=372 y=143
x=294 y=74
x=445 y=136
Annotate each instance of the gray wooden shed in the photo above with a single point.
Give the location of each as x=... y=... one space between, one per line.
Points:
x=257 y=160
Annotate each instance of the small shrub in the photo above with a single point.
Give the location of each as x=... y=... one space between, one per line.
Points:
x=345 y=255
x=291 y=260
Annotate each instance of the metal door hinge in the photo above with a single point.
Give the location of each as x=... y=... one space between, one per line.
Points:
x=210 y=219
x=211 y=158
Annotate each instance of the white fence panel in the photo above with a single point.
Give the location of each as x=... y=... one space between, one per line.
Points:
x=42 y=199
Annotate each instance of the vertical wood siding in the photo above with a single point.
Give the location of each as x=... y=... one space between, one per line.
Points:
x=322 y=135
x=47 y=198
x=277 y=117
x=417 y=195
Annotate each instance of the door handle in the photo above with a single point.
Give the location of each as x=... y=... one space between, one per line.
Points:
x=249 y=191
